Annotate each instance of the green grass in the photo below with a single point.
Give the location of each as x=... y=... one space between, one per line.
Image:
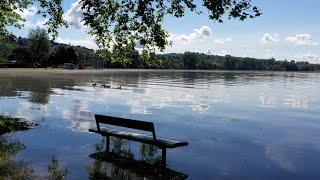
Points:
x=8 y=124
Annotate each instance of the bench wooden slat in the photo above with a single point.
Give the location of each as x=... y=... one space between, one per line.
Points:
x=128 y=123
x=160 y=142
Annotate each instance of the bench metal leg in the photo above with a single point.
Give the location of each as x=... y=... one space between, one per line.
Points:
x=164 y=160
x=107 y=143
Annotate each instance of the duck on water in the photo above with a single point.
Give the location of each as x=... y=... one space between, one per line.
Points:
x=105 y=86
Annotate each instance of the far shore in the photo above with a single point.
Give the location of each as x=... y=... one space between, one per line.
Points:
x=98 y=71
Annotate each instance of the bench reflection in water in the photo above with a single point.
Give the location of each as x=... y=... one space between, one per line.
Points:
x=126 y=160
x=120 y=163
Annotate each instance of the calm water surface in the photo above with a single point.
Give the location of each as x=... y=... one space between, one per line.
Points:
x=249 y=125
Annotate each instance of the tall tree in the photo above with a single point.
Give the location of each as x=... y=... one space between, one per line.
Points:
x=40 y=46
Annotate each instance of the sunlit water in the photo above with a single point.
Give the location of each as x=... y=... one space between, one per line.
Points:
x=249 y=125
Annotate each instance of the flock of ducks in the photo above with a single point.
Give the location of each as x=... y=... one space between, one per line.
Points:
x=105 y=86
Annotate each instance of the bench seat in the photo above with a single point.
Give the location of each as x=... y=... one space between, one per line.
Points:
x=160 y=142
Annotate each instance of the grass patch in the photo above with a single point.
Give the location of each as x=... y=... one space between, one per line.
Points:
x=9 y=167
x=8 y=124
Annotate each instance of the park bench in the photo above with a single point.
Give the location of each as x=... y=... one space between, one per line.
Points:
x=161 y=143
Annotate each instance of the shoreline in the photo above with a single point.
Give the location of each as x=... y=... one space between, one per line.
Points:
x=110 y=70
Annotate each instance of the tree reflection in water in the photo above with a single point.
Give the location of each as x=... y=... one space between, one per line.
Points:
x=40 y=91
x=120 y=163
x=37 y=86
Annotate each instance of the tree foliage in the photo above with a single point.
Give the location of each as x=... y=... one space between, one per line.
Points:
x=127 y=23
x=22 y=55
x=214 y=62
x=40 y=46
x=23 y=52
x=63 y=55
x=190 y=60
x=50 y=9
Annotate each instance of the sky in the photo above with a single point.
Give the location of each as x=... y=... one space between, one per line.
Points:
x=287 y=29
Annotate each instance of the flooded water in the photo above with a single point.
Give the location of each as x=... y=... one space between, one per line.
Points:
x=239 y=125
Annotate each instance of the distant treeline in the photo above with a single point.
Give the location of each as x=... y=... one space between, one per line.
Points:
x=38 y=51
x=190 y=60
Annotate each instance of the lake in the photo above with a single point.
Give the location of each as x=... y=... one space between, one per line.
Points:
x=239 y=125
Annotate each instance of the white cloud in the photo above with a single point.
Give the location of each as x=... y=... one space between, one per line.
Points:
x=89 y=43
x=28 y=24
x=75 y=15
x=301 y=39
x=197 y=34
x=310 y=57
x=223 y=40
x=269 y=53
x=219 y=53
x=222 y=53
x=268 y=38
x=42 y=24
x=28 y=12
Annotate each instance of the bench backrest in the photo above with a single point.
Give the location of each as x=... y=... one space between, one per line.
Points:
x=127 y=123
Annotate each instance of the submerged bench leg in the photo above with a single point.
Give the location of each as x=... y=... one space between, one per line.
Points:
x=164 y=160
x=107 y=143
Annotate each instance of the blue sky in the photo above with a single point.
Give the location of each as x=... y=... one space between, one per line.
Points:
x=288 y=29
